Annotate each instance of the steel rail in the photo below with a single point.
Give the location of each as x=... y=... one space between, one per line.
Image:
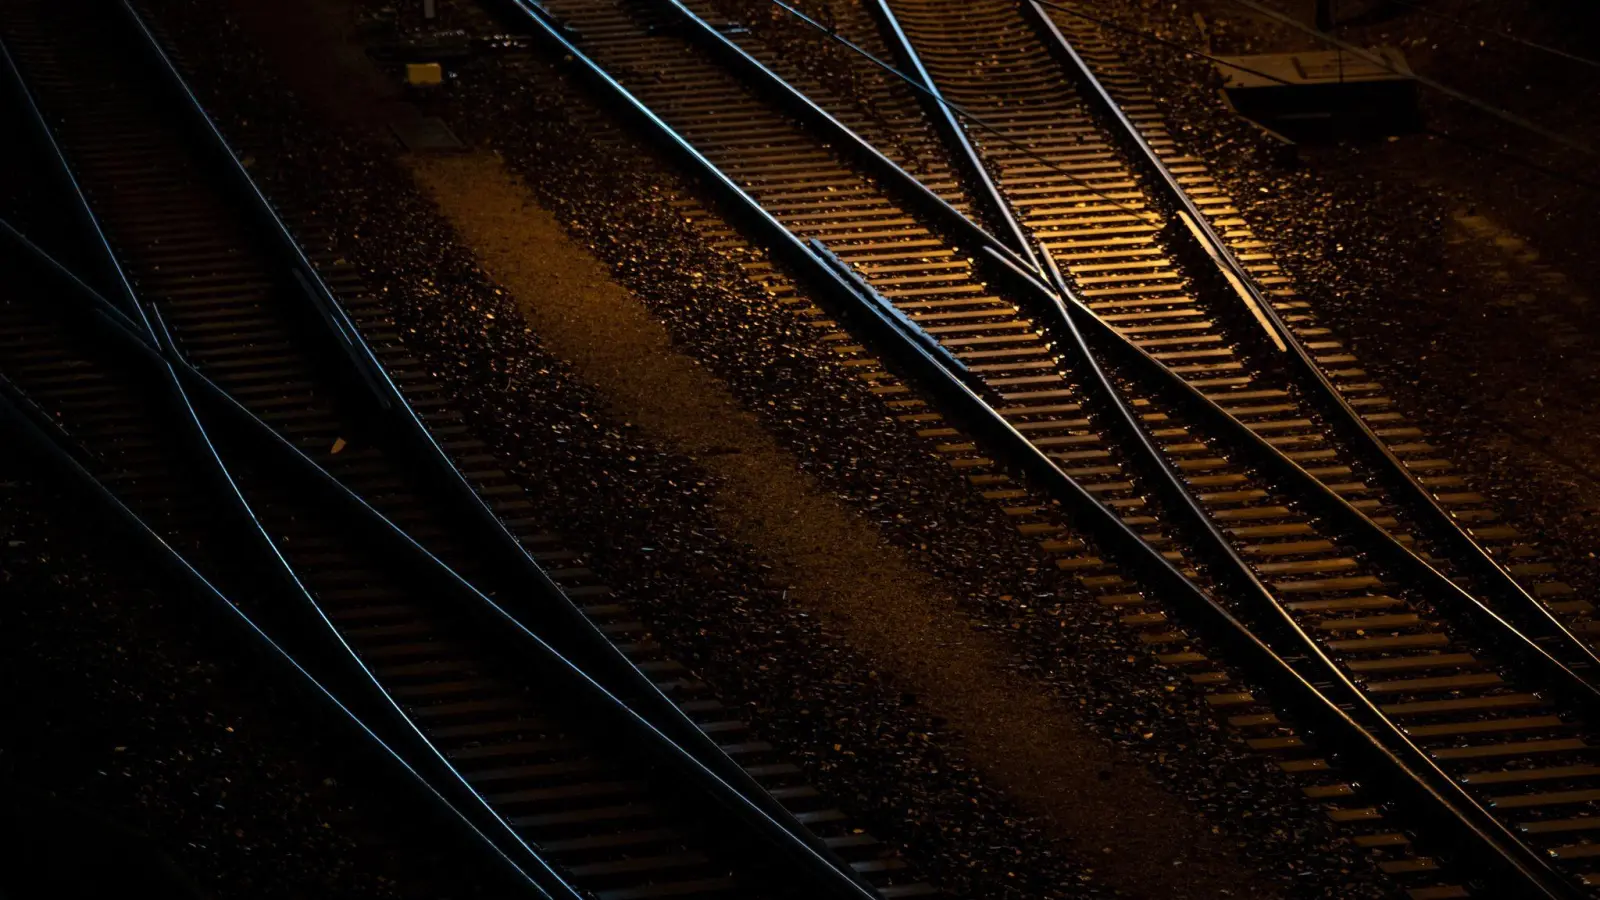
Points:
x=1566 y=672
x=1500 y=634
x=41 y=438
x=1221 y=552
x=578 y=689
x=743 y=801
x=1449 y=809
x=763 y=79
x=1576 y=657
x=949 y=126
x=924 y=86
x=547 y=608
x=1218 y=550
x=1519 y=605
x=1565 y=676
x=1515 y=854
x=100 y=248
x=150 y=322
x=348 y=672
x=358 y=684
x=329 y=646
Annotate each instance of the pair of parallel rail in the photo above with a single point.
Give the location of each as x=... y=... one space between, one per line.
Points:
x=170 y=347
x=1118 y=336
x=1125 y=345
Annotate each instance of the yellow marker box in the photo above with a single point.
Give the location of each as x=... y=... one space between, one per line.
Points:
x=424 y=74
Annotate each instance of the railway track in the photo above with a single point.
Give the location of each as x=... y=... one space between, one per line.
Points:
x=1486 y=743
x=224 y=396
x=1155 y=375
x=1482 y=699
x=1092 y=465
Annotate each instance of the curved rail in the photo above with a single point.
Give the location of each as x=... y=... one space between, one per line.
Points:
x=1551 y=651
x=39 y=436
x=1519 y=603
x=1416 y=777
x=1572 y=666
x=351 y=680
x=731 y=797
x=547 y=610
x=149 y=325
x=565 y=680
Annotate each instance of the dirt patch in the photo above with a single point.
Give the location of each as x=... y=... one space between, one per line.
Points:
x=836 y=565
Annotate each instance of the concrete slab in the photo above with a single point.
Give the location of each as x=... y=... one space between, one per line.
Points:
x=1320 y=95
